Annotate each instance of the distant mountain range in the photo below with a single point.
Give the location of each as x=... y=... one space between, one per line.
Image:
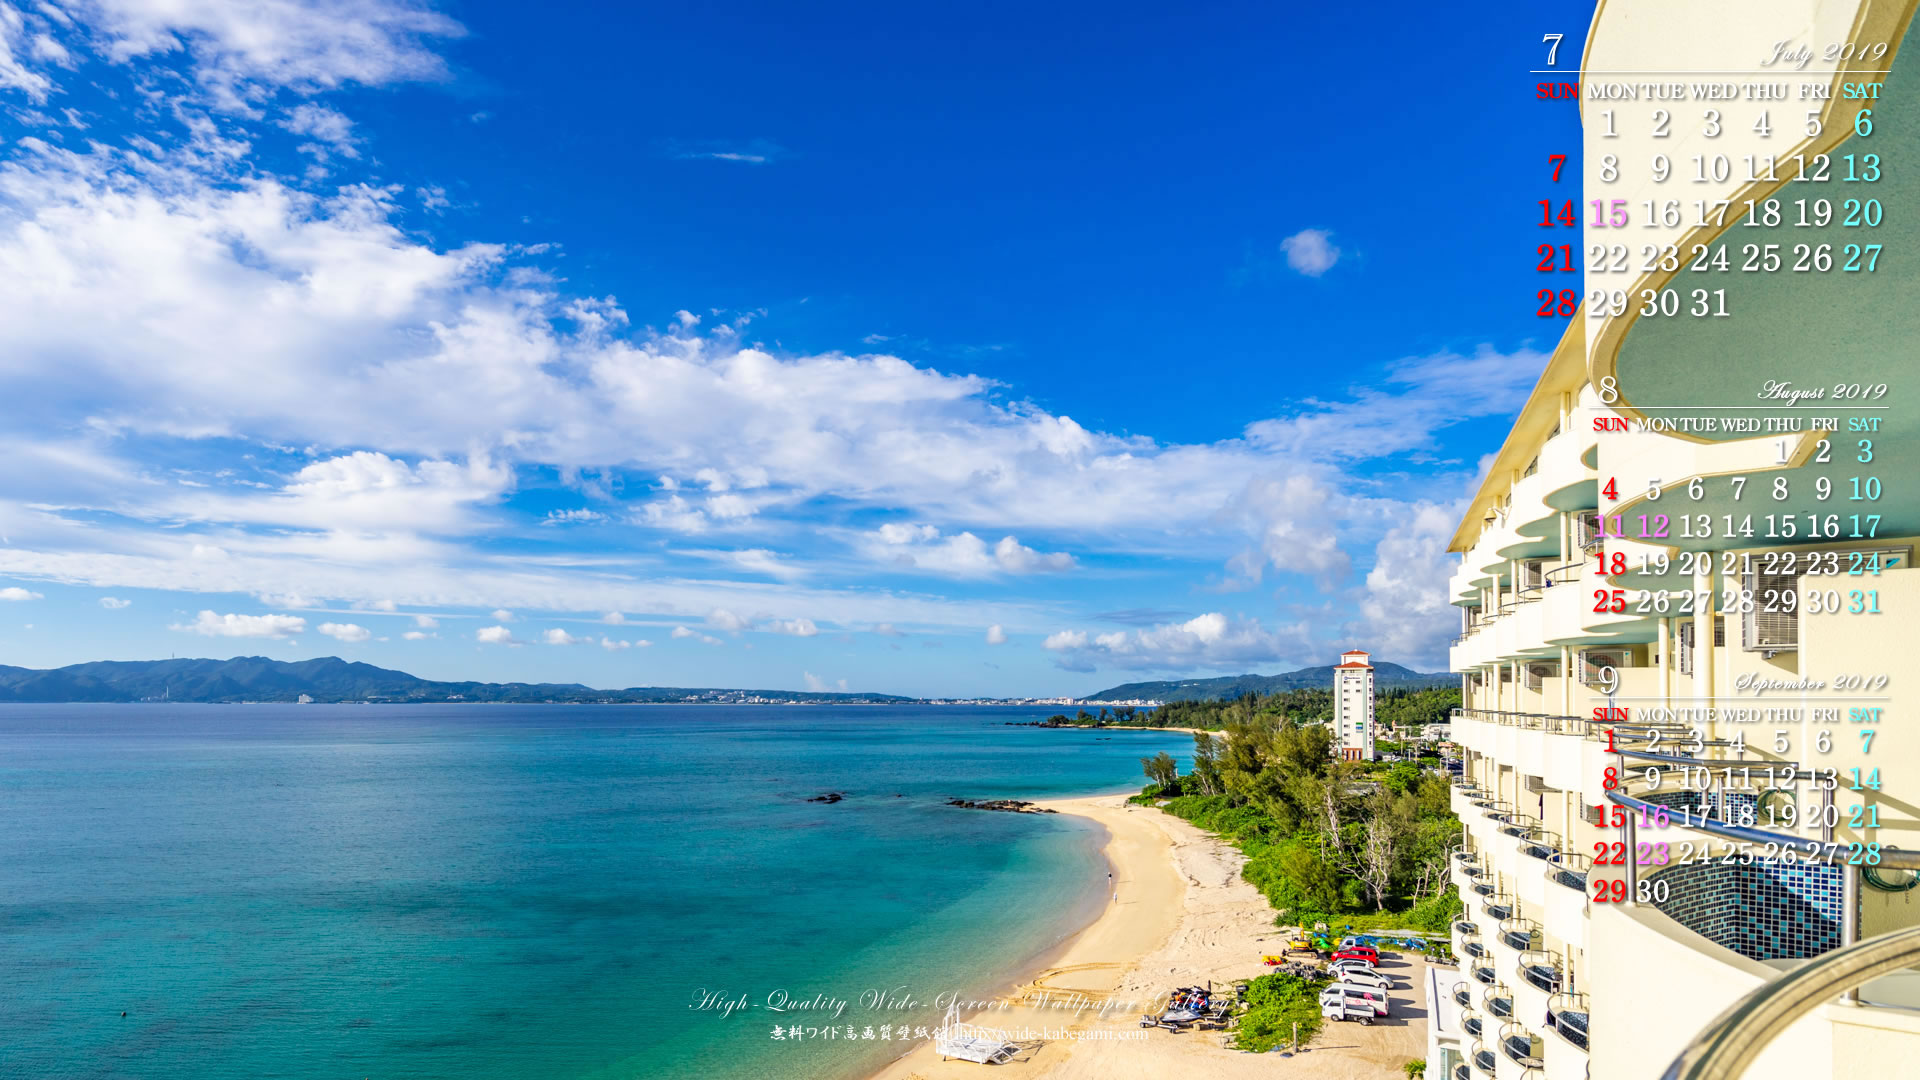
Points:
x=331 y=679
x=1385 y=677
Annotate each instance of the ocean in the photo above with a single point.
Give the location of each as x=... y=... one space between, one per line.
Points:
x=591 y=892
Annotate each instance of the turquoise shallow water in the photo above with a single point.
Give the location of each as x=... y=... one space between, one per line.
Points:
x=519 y=891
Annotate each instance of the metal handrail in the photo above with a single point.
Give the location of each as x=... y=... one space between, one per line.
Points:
x=1569 y=572
x=1889 y=857
x=1735 y=1039
x=1510 y=1030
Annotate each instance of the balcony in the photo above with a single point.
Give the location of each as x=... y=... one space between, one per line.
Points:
x=1537 y=977
x=1462 y=996
x=1462 y=1072
x=1473 y=1026
x=1483 y=1059
x=1541 y=970
x=1498 y=1002
x=1565 y=883
x=1484 y=975
x=1500 y=907
x=1569 y=1013
x=1570 y=870
x=1521 y=1046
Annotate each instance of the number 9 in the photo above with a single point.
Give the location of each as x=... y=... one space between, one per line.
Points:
x=1609 y=680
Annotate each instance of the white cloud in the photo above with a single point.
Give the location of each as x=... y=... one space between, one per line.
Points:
x=1311 y=251
x=795 y=627
x=495 y=635
x=17 y=594
x=417 y=635
x=815 y=684
x=582 y=516
x=614 y=618
x=611 y=645
x=557 y=636
x=722 y=619
x=923 y=547
x=348 y=632
x=114 y=603
x=502 y=615
x=1210 y=641
x=210 y=624
x=1062 y=640
x=680 y=632
x=996 y=635
x=418 y=379
x=239 y=49
x=323 y=125
x=425 y=622
x=1404 y=610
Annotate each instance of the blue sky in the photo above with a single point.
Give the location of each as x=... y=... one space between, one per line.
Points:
x=1005 y=351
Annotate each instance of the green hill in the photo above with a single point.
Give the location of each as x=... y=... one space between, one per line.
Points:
x=1227 y=687
x=331 y=679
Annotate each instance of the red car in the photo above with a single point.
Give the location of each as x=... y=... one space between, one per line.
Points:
x=1359 y=952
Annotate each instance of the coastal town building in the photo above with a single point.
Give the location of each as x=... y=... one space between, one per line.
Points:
x=1689 y=767
x=1353 y=706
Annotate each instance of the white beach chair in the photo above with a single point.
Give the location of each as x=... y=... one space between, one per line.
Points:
x=969 y=1042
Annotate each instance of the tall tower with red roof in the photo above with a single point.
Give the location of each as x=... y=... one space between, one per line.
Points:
x=1353 y=705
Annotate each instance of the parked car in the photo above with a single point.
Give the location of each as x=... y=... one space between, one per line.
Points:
x=1369 y=994
x=1349 y=1009
x=1367 y=977
x=1357 y=962
x=1359 y=952
x=1377 y=998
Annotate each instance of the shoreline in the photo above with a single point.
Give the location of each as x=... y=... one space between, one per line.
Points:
x=1185 y=917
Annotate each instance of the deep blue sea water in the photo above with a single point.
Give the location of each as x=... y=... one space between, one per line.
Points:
x=519 y=891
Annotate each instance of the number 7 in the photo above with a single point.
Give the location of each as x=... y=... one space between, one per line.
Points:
x=1866 y=740
x=1555 y=51
x=1559 y=161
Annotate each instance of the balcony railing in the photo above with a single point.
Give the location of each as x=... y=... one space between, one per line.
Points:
x=1552 y=723
x=1568 y=1015
x=1467 y=928
x=1473 y=1026
x=1500 y=907
x=1520 y=1045
x=1499 y=1003
x=1541 y=970
x=1483 y=1059
x=1570 y=869
x=1484 y=974
x=1462 y=1072
x=1462 y=995
x=1475 y=950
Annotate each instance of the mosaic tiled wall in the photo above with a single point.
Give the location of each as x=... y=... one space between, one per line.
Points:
x=1764 y=911
x=1734 y=807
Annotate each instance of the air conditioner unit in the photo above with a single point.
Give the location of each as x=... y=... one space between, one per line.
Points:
x=1538 y=673
x=1589 y=529
x=1593 y=660
x=1772 y=621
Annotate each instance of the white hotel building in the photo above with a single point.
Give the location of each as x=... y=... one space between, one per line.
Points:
x=1746 y=963
x=1353 y=706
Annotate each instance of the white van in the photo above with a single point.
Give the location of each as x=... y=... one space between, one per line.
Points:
x=1348 y=1010
x=1350 y=994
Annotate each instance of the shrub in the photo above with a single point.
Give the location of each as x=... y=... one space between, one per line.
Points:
x=1274 y=1003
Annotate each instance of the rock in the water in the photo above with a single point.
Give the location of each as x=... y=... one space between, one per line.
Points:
x=829 y=797
x=1011 y=806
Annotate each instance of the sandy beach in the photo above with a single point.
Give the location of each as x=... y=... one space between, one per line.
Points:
x=1184 y=917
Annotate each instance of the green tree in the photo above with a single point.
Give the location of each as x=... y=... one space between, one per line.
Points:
x=1161 y=769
